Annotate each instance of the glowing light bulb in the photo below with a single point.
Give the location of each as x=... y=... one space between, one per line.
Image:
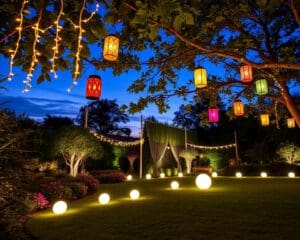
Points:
x=162 y=175
x=134 y=194
x=174 y=185
x=238 y=174
x=203 y=181
x=291 y=174
x=104 y=198
x=129 y=177
x=214 y=174
x=60 y=207
x=180 y=174
x=148 y=176
x=263 y=174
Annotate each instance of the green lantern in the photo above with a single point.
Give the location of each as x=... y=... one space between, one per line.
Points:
x=261 y=87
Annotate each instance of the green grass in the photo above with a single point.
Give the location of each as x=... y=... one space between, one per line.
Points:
x=246 y=208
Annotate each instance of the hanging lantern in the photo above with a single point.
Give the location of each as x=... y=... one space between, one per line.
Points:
x=261 y=87
x=238 y=108
x=291 y=123
x=200 y=78
x=246 y=73
x=264 y=119
x=93 y=87
x=213 y=115
x=111 y=48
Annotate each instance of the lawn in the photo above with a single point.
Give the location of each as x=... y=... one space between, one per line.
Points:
x=246 y=208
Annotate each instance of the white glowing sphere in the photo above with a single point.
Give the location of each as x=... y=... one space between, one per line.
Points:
x=263 y=174
x=180 y=174
x=148 y=176
x=174 y=185
x=60 y=207
x=291 y=174
x=129 y=177
x=104 y=198
x=162 y=175
x=134 y=194
x=214 y=174
x=238 y=174
x=203 y=181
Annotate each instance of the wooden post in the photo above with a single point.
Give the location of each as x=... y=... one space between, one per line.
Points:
x=141 y=148
x=185 y=138
x=86 y=116
x=236 y=149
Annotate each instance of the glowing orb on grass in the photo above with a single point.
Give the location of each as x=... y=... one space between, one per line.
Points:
x=148 y=176
x=162 y=175
x=134 y=194
x=291 y=174
x=129 y=177
x=104 y=198
x=203 y=181
x=238 y=174
x=180 y=174
x=60 y=207
x=174 y=185
x=214 y=174
x=263 y=174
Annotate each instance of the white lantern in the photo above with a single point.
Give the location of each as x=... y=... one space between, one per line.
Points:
x=203 y=181
x=134 y=194
x=104 y=198
x=291 y=174
x=162 y=175
x=238 y=174
x=148 y=176
x=60 y=207
x=214 y=174
x=263 y=174
x=174 y=185
x=129 y=177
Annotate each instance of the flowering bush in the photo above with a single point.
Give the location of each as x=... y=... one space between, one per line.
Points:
x=79 y=190
x=91 y=182
x=42 y=202
x=54 y=190
x=110 y=177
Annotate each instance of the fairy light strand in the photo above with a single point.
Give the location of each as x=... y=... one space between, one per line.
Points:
x=103 y=138
x=57 y=39
x=79 y=45
x=219 y=147
x=35 y=53
x=19 y=29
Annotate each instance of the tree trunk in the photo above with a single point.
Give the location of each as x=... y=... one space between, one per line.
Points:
x=290 y=105
x=188 y=163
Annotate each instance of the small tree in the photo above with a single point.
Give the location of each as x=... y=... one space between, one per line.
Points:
x=188 y=155
x=76 y=145
x=289 y=152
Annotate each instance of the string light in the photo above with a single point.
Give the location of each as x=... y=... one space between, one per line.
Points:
x=57 y=38
x=79 y=45
x=19 y=30
x=35 y=53
x=212 y=147
x=103 y=138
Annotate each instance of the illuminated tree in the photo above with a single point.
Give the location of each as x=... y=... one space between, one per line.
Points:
x=188 y=155
x=289 y=152
x=76 y=145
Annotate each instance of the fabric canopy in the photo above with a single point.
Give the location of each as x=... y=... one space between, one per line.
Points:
x=160 y=136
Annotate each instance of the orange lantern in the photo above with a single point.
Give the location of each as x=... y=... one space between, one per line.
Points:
x=291 y=123
x=213 y=115
x=238 y=108
x=93 y=87
x=111 y=48
x=200 y=78
x=246 y=73
x=264 y=119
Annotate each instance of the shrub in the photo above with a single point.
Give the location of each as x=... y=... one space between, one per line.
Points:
x=79 y=190
x=90 y=181
x=42 y=202
x=109 y=177
x=54 y=190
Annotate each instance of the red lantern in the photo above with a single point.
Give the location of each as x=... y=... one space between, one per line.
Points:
x=213 y=115
x=238 y=108
x=246 y=73
x=93 y=87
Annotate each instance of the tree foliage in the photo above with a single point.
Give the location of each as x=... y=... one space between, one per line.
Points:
x=105 y=117
x=76 y=145
x=289 y=152
x=177 y=36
